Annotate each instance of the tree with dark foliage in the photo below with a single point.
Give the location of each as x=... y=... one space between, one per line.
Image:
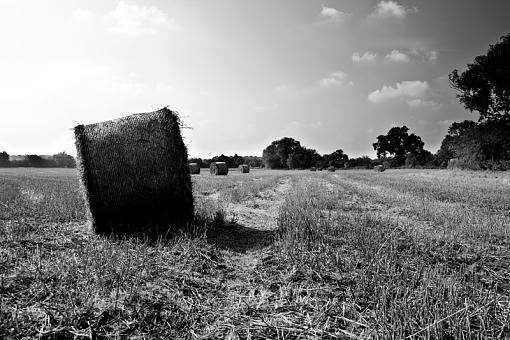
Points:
x=275 y=155
x=4 y=159
x=485 y=85
x=484 y=145
x=398 y=142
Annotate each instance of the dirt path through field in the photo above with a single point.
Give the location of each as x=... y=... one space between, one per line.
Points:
x=251 y=225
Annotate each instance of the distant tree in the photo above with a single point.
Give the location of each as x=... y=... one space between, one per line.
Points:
x=4 y=159
x=360 y=162
x=196 y=160
x=63 y=160
x=484 y=145
x=398 y=143
x=422 y=159
x=275 y=155
x=485 y=85
x=337 y=158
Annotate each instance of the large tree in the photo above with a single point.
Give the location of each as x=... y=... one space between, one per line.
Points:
x=485 y=85
x=398 y=142
x=275 y=155
x=484 y=145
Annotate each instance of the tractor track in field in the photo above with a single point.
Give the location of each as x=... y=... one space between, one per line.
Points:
x=251 y=225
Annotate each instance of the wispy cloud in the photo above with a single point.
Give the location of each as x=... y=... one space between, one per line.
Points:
x=81 y=15
x=405 y=89
x=424 y=104
x=446 y=123
x=397 y=57
x=367 y=57
x=393 y=9
x=135 y=20
x=337 y=78
x=333 y=14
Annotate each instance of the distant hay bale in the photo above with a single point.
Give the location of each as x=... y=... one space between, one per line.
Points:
x=218 y=168
x=135 y=175
x=313 y=168
x=244 y=168
x=194 y=168
x=331 y=169
x=454 y=163
x=379 y=168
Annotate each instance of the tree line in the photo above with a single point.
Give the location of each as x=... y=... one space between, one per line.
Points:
x=59 y=160
x=484 y=87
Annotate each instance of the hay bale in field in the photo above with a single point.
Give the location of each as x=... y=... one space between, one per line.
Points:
x=313 y=168
x=244 y=168
x=218 y=168
x=454 y=163
x=331 y=169
x=379 y=168
x=194 y=168
x=135 y=174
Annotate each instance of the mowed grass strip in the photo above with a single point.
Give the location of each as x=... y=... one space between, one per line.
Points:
x=350 y=259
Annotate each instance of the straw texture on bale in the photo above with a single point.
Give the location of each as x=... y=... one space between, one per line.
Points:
x=245 y=168
x=218 y=168
x=135 y=175
x=194 y=169
x=331 y=169
x=379 y=168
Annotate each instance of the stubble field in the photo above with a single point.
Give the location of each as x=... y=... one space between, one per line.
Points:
x=415 y=254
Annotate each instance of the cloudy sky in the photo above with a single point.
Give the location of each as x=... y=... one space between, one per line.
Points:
x=331 y=74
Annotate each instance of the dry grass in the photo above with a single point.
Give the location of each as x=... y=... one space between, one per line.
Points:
x=357 y=254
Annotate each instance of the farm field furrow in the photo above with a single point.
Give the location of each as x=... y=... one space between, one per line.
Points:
x=413 y=254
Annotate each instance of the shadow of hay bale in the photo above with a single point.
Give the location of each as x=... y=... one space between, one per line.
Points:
x=239 y=238
x=135 y=175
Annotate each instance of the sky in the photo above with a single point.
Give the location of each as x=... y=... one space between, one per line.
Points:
x=332 y=74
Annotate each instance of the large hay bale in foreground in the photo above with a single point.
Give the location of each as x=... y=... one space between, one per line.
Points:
x=218 y=168
x=244 y=168
x=194 y=168
x=379 y=168
x=135 y=174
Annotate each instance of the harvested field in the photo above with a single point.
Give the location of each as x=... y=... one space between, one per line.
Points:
x=415 y=254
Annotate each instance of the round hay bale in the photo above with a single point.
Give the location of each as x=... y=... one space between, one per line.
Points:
x=313 y=168
x=218 y=168
x=454 y=163
x=379 y=168
x=331 y=169
x=194 y=168
x=134 y=173
x=244 y=168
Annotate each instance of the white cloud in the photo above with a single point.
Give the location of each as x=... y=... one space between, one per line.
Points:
x=333 y=14
x=446 y=123
x=433 y=55
x=270 y=107
x=392 y=9
x=367 y=57
x=82 y=16
x=337 y=78
x=425 y=104
x=137 y=20
x=409 y=89
x=398 y=57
